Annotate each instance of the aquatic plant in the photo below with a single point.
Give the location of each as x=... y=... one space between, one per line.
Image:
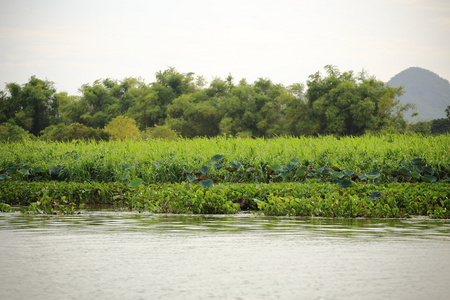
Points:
x=282 y=159
x=321 y=199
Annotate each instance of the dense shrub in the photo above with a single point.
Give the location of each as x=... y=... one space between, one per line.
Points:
x=65 y=133
x=13 y=133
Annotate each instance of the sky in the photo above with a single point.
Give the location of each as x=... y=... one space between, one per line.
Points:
x=72 y=43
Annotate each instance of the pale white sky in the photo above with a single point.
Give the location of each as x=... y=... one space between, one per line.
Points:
x=76 y=42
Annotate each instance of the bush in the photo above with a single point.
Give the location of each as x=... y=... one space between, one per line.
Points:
x=13 y=133
x=121 y=128
x=64 y=133
x=159 y=132
x=440 y=126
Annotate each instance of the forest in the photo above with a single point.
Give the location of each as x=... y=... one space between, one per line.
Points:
x=182 y=104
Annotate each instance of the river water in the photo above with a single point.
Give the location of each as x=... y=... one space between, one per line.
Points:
x=122 y=255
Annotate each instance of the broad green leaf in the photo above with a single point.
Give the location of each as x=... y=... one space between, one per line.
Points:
x=206 y=183
x=362 y=177
x=236 y=166
x=372 y=177
x=375 y=173
x=217 y=158
x=429 y=178
x=319 y=170
x=374 y=195
x=276 y=168
x=337 y=174
x=284 y=174
x=300 y=173
x=415 y=175
x=428 y=170
x=417 y=161
x=204 y=169
x=188 y=171
x=135 y=182
x=289 y=167
x=191 y=177
x=24 y=172
x=37 y=169
x=349 y=173
x=125 y=166
x=2 y=176
x=217 y=166
x=418 y=168
x=404 y=172
x=295 y=161
x=345 y=183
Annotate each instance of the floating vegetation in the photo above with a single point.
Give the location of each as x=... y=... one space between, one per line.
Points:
x=368 y=176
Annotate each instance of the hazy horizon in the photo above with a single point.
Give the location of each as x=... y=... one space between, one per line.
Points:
x=76 y=43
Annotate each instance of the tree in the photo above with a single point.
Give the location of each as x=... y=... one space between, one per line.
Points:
x=447 y=111
x=107 y=99
x=32 y=106
x=121 y=128
x=193 y=115
x=423 y=127
x=148 y=109
x=345 y=104
x=177 y=82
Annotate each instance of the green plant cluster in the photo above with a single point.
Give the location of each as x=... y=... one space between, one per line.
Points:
x=402 y=158
x=393 y=200
x=338 y=103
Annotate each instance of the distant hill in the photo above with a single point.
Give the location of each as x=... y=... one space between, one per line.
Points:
x=426 y=89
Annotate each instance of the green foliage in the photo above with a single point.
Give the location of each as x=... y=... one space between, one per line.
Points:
x=159 y=132
x=338 y=104
x=422 y=127
x=48 y=205
x=394 y=200
x=5 y=207
x=135 y=182
x=13 y=133
x=65 y=133
x=365 y=158
x=32 y=106
x=345 y=104
x=121 y=128
x=440 y=126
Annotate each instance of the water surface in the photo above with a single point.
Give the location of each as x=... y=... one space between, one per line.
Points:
x=119 y=255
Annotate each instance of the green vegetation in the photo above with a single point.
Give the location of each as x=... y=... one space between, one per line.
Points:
x=367 y=176
x=338 y=103
x=392 y=200
x=328 y=148
x=243 y=160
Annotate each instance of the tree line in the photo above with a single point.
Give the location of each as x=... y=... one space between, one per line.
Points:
x=337 y=103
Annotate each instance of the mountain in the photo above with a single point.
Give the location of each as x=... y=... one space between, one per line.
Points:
x=427 y=90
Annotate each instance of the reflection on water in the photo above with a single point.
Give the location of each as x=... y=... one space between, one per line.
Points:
x=121 y=255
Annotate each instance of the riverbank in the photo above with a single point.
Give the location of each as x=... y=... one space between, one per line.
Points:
x=313 y=199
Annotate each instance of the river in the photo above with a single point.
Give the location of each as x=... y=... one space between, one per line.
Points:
x=125 y=255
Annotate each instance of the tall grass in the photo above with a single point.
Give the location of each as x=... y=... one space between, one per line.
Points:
x=158 y=161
